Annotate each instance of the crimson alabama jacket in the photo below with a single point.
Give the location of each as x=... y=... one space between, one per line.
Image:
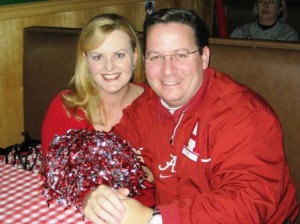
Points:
x=218 y=159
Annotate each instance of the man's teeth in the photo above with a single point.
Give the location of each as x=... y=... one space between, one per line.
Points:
x=170 y=83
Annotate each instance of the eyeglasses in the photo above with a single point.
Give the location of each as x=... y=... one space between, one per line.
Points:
x=266 y=1
x=177 y=57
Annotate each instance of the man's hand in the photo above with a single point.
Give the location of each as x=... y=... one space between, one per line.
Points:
x=104 y=205
x=135 y=213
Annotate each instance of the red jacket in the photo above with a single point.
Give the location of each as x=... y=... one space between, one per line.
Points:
x=225 y=162
x=57 y=122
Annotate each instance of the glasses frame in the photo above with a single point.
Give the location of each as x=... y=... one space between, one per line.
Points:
x=162 y=58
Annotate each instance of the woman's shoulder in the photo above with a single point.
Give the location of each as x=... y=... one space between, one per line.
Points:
x=146 y=96
x=58 y=98
x=145 y=90
x=138 y=88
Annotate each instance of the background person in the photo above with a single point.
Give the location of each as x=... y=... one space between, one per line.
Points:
x=149 y=8
x=214 y=146
x=269 y=24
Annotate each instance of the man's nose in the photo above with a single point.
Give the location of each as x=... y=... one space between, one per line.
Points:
x=168 y=65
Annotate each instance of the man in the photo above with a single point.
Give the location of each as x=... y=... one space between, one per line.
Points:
x=213 y=145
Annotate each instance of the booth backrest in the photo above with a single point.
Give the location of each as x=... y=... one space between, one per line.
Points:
x=49 y=62
x=272 y=69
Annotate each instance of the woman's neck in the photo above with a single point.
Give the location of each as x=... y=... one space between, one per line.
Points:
x=112 y=105
x=118 y=100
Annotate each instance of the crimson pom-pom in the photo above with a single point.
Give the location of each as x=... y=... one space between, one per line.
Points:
x=81 y=160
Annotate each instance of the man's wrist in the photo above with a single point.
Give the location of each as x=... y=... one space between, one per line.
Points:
x=156 y=217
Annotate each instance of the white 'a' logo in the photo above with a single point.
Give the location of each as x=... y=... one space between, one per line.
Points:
x=170 y=165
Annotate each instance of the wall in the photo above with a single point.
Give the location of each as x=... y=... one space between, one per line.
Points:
x=205 y=8
x=62 y=13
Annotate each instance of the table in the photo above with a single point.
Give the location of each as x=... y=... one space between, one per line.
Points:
x=21 y=200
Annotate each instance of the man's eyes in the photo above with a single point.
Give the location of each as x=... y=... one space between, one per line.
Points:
x=162 y=57
x=155 y=57
x=180 y=55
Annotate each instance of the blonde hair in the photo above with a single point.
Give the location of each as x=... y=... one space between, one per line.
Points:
x=84 y=94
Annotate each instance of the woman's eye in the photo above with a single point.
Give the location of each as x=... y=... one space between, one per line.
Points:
x=119 y=55
x=97 y=57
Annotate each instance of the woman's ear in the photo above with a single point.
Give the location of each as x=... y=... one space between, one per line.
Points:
x=84 y=56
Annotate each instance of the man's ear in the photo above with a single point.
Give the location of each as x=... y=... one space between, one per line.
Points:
x=205 y=57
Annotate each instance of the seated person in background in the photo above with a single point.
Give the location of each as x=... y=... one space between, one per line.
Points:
x=109 y=62
x=269 y=25
x=214 y=146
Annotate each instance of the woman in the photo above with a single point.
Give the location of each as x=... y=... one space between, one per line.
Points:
x=108 y=66
x=269 y=25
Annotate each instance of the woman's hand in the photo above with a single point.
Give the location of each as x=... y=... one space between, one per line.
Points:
x=104 y=205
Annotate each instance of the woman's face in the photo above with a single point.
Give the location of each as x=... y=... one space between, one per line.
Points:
x=268 y=11
x=111 y=64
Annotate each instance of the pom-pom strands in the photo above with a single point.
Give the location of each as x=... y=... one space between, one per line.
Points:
x=81 y=160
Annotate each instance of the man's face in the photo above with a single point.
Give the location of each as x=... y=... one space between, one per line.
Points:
x=174 y=66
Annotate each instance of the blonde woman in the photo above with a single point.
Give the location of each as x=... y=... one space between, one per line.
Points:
x=108 y=66
x=107 y=79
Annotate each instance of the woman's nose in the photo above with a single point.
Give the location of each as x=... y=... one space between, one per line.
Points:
x=109 y=64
